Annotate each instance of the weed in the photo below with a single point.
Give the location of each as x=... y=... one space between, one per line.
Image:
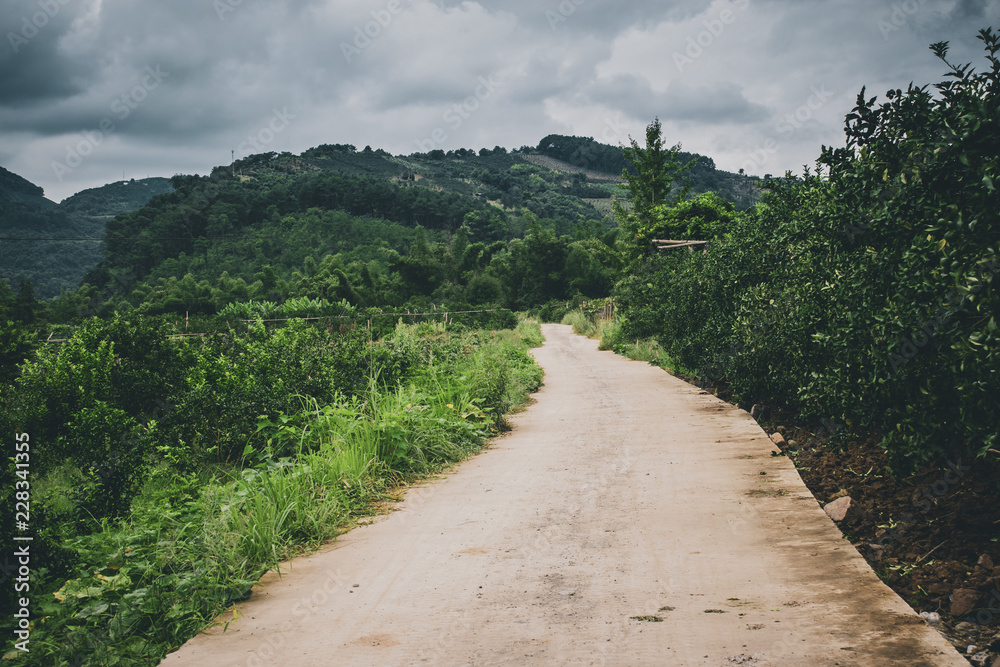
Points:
x=197 y=537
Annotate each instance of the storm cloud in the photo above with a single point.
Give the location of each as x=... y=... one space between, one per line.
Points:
x=91 y=90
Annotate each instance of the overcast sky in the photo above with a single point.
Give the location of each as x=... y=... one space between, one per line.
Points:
x=92 y=89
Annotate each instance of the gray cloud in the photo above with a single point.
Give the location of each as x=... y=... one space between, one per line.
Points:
x=386 y=73
x=711 y=103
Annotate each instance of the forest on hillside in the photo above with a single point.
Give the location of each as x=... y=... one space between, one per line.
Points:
x=32 y=228
x=279 y=195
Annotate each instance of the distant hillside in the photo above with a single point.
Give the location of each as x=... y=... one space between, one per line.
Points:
x=52 y=265
x=587 y=153
x=566 y=183
x=556 y=164
x=14 y=189
x=116 y=198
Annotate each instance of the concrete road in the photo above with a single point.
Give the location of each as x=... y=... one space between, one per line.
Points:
x=628 y=519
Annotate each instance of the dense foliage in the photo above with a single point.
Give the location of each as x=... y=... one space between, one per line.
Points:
x=167 y=473
x=265 y=208
x=49 y=264
x=865 y=292
x=281 y=231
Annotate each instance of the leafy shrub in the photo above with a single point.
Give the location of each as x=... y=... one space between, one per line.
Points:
x=866 y=292
x=198 y=537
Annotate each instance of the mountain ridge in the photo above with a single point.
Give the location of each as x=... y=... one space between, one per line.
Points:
x=565 y=180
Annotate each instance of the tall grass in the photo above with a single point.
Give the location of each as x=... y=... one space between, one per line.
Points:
x=530 y=332
x=194 y=544
x=581 y=323
x=609 y=333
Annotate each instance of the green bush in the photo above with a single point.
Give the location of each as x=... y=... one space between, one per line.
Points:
x=863 y=293
x=197 y=537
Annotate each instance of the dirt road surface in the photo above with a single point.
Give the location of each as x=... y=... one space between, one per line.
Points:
x=628 y=519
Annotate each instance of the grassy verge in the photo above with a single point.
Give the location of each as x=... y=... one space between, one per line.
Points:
x=193 y=543
x=608 y=332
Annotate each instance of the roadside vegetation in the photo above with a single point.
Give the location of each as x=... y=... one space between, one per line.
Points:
x=854 y=312
x=863 y=292
x=171 y=474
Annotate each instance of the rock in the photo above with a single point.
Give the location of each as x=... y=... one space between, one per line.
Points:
x=937 y=588
x=793 y=443
x=839 y=508
x=963 y=626
x=963 y=601
x=756 y=410
x=778 y=439
x=985 y=562
x=996 y=663
x=979 y=659
x=932 y=617
x=781 y=429
x=843 y=493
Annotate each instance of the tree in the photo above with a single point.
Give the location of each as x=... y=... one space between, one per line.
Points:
x=6 y=300
x=654 y=171
x=16 y=345
x=25 y=305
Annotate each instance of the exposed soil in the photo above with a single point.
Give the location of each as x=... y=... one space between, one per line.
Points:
x=926 y=534
x=558 y=165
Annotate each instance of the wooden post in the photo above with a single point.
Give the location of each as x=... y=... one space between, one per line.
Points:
x=669 y=244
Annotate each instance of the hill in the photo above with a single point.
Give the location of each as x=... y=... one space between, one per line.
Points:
x=51 y=266
x=114 y=199
x=31 y=227
x=277 y=210
x=589 y=154
x=17 y=190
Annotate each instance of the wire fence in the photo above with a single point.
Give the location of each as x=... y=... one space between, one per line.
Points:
x=357 y=318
